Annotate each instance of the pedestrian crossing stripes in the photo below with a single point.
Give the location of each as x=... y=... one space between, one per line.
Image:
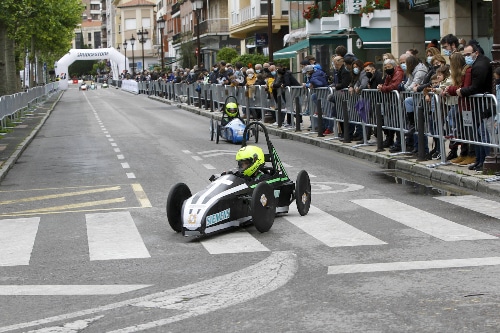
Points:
x=476 y=204
x=114 y=235
x=423 y=221
x=17 y=237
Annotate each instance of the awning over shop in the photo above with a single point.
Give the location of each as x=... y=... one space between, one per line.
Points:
x=292 y=50
x=324 y=39
x=329 y=38
x=374 y=38
x=380 y=38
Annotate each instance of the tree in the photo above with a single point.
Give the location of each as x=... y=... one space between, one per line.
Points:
x=45 y=27
x=227 y=54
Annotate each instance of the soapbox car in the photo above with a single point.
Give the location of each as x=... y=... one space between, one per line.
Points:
x=83 y=86
x=232 y=200
x=231 y=127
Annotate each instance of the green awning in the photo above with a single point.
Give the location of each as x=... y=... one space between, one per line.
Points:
x=375 y=38
x=292 y=50
x=380 y=38
x=432 y=33
x=330 y=38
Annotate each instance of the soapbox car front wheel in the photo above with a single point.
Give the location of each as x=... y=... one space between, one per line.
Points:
x=263 y=206
x=179 y=193
x=212 y=129
x=303 y=192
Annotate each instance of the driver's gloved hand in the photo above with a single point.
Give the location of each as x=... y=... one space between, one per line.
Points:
x=213 y=177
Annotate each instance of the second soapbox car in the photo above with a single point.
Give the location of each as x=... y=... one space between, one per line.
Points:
x=231 y=127
x=232 y=200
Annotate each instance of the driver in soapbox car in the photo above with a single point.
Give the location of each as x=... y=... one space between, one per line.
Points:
x=251 y=165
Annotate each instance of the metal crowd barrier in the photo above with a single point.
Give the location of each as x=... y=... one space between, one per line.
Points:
x=16 y=106
x=442 y=118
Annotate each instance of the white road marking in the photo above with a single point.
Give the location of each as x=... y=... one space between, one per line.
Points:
x=108 y=135
x=286 y=165
x=198 y=298
x=209 y=166
x=125 y=165
x=114 y=236
x=186 y=152
x=326 y=187
x=114 y=144
x=235 y=242
x=69 y=290
x=17 y=237
x=476 y=204
x=130 y=175
x=421 y=220
x=197 y=158
x=111 y=140
x=330 y=230
x=120 y=157
x=73 y=327
x=413 y=265
x=117 y=150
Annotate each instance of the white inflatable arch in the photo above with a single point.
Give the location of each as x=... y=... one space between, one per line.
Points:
x=118 y=62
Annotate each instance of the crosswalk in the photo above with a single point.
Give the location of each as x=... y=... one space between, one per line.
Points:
x=115 y=236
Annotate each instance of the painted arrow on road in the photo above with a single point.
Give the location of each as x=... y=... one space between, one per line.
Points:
x=195 y=299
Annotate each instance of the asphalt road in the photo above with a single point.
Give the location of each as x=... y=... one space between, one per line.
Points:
x=86 y=246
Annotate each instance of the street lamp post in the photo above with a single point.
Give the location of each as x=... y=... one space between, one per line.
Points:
x=132 y=42
x=144 y=35
x=161 y=26
x=124 y=44
x=197 y=6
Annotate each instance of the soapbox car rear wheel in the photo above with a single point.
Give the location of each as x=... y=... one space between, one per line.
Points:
x=263 y=207
x=217 y=130
x=179 y=193
x=212 y=129
x=303 y=192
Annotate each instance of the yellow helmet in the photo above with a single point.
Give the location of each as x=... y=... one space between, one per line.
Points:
x=250 y=159
x=232 y=110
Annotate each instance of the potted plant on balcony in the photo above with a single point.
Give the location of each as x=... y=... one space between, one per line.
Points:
x=372 y=6
x=311 y=13
x=334 y=17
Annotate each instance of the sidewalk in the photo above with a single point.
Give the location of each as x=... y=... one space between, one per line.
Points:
x=450 y=174
x=14 y=143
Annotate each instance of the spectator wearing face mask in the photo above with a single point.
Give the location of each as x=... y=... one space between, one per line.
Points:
x=374 y=75
x=394 y=76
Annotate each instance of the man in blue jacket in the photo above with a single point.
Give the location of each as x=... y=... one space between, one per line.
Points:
x=316 y=78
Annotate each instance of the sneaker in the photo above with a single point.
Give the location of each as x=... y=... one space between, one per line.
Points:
x=275 y=123
x=395 y=149
x=458 y=160
x=451 y=155
x=436 y=155
x=468 y=160
x=327 y=131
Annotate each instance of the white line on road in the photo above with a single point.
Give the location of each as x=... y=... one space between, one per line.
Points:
x=17 y=237
x=68 y=290
x=413 y=265
x=125 y=165
x=209 y=166
x=117 y=150
x=330 y=230
x=235 y=242
x=196 y=158
x=186 y=152
x=423 y=221
x=476 y=204
x=114 y=236
x=130 y=175
x=198 y=298
x=120 y=157
x=114 y=144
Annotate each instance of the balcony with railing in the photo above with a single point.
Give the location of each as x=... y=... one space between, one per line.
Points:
x=212 y=26
x=177 y=38
x=250 y=13
x=175 y=8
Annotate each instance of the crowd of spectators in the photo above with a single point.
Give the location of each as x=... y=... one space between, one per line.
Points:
x=452 y=68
